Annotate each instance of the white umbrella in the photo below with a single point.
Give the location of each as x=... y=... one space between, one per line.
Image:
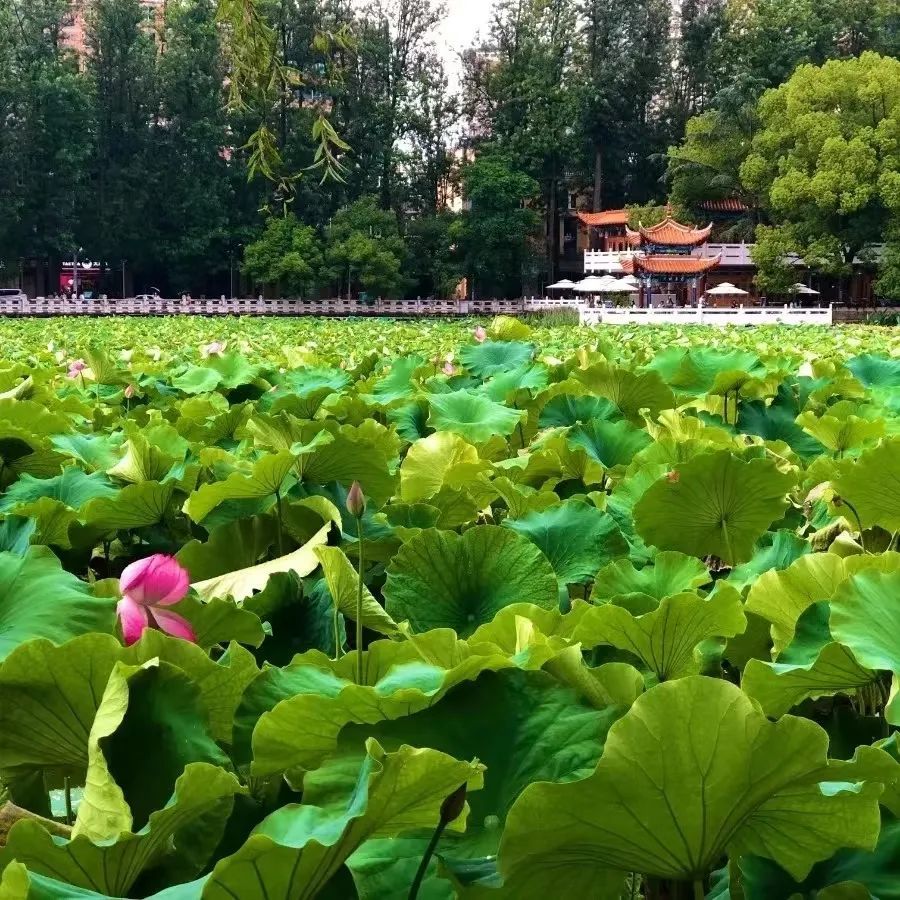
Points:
x=625 y=285
x=726 y=289
x=631 y=279
x=799 y=288
x=594 y=284
x=565 y=284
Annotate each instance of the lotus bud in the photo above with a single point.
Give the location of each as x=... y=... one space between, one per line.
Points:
x=673 y=477
x=480 y=335
x=453 y=806
x=356 y=501
x=129 y=391
x=448 y=368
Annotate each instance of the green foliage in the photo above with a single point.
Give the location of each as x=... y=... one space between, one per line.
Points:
x=286 y=257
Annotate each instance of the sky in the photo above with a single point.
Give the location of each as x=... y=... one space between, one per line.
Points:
x=465 y=18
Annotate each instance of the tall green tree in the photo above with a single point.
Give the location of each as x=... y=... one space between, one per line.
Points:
x=497 y=237
x=827 y=162
x=286 y=257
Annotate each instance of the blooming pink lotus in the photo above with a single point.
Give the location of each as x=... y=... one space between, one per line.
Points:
x=148 y=586
x=76 y=367
x=448 y=368
x=480 y=335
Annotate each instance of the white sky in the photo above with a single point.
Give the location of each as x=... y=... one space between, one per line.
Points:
x=465 y=18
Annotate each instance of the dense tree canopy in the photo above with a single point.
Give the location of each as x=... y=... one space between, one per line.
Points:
x=140 y=150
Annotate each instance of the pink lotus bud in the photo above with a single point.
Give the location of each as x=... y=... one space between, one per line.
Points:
x=356 y=501
x=148 y=586
x=448 y=369
x=480 y=335
x=129 y=391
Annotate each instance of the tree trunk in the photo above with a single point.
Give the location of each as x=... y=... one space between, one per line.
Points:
x=553 y=224
x=597 y=202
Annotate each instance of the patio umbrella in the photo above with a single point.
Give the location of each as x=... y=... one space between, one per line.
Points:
x=800 y=288
x=625 y=285
x=726 y=289
x=563 y=285
x=594 y=284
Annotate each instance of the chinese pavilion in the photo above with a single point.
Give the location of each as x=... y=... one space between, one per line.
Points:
x=663 y=260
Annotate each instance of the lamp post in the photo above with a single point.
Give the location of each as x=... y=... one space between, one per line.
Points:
x=123 y=279
x=75 y=273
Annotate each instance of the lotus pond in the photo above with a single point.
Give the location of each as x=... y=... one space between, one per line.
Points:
x=296 y=609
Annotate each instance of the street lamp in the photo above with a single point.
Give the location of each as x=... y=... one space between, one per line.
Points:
x=123 y=279
x=75 y=273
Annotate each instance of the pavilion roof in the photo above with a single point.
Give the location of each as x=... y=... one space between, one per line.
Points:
x=729 y=204
x=671 y=233
x=670 y=265
x=606 y=217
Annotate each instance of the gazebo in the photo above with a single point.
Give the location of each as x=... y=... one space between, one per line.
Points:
x=723 y=290
x=664 y=257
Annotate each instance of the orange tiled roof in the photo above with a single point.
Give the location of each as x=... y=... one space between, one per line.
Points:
x=670 y=265
x=672 y=233
x=606 y=217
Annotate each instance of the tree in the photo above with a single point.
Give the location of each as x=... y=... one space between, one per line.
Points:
x=827 y=162
x=365 y=250
x=287 y=256
x=434 y=270
x=496 y=237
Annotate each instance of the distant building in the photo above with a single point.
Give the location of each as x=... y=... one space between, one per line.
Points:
x=73 y=31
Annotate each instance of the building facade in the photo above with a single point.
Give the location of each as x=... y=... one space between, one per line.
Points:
x=73 y=31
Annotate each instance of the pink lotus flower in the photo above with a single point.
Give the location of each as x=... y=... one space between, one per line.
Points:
x=76 y=367
x=148 y=586
x=215 y=348
x=129 y=391
x=480 y=335
x=448 y=368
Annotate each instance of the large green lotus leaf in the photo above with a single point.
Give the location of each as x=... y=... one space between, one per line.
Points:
x=265 y=479
x=400 y=678
x=179 y=837
x=773 y=551
x=366 y=454
x=526 y=378
x=96 y=452
x=696 y=370
x=872 y=485
x=343 y=580
x=630 y=391
x=471 y=415
x=227 y=372
x=693 y=771
x=875 y=873
x=73 y=487
x=39 y=599
x=135 y=506
x=523 y=726
x=716 y=504
x=781 y=596
x=143 y=461
x=442 y=459
x=778 y=687
x=665 y=638
x=493 y=357
x=865 y=617
x=465 y=580
x=49 y=695
x=840 y=433
x=243 y=583
x=875 y=371
x=52 y=521
x=16 y=533
x=609 y=443
x=235 y=545
x=564 y=410
x=296 y=850
x=398 y=383
x=219 y=621
x=670 y=573
x=777 y=423
x=141 y=709
x=577 y=538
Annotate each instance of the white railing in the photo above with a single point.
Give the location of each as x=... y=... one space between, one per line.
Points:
x=605 y=261
x=754 y=315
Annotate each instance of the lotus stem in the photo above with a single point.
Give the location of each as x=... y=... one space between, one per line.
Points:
x=359 y=606
x=280 y=516
x=426 y=859
x=336 y=625
x=67 y=790
x=852 y=508
x=699 y=890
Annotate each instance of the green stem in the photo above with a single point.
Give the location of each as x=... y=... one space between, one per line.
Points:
x=70 y=818
x=699 y=890
x=359 y=606
x=852 y=508
x=336 y=624
x=426 y=858
x=725 y=414
x=280 y=516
